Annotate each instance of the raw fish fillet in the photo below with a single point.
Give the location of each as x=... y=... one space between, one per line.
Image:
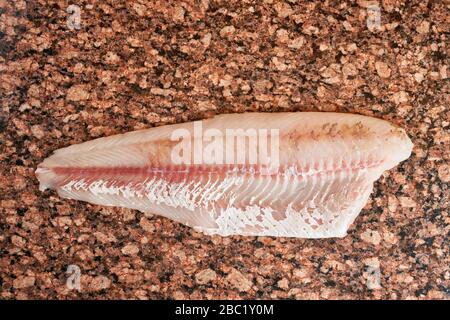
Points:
x=314 y=187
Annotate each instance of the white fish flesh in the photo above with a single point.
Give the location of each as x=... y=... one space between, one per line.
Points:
x=301 y=174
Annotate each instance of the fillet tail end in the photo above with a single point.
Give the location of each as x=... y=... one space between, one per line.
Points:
x=46 y=177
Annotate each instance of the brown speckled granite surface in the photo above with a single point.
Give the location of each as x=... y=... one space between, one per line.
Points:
x=137 y=64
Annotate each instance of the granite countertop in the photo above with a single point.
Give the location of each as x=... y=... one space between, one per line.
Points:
x=127 y=65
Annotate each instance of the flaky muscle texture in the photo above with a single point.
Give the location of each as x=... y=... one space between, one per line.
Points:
x=326 y=166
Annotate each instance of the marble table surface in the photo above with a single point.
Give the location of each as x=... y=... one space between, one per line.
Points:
x=72 y=74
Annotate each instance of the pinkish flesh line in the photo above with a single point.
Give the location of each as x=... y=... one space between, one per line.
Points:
x=196 y=170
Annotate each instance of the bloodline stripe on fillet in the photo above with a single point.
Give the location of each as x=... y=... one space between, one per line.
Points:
x=207 y=169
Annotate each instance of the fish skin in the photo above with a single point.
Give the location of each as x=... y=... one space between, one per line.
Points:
x=327 y=165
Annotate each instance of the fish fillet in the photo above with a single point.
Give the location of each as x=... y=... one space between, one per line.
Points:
x=301 y=174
